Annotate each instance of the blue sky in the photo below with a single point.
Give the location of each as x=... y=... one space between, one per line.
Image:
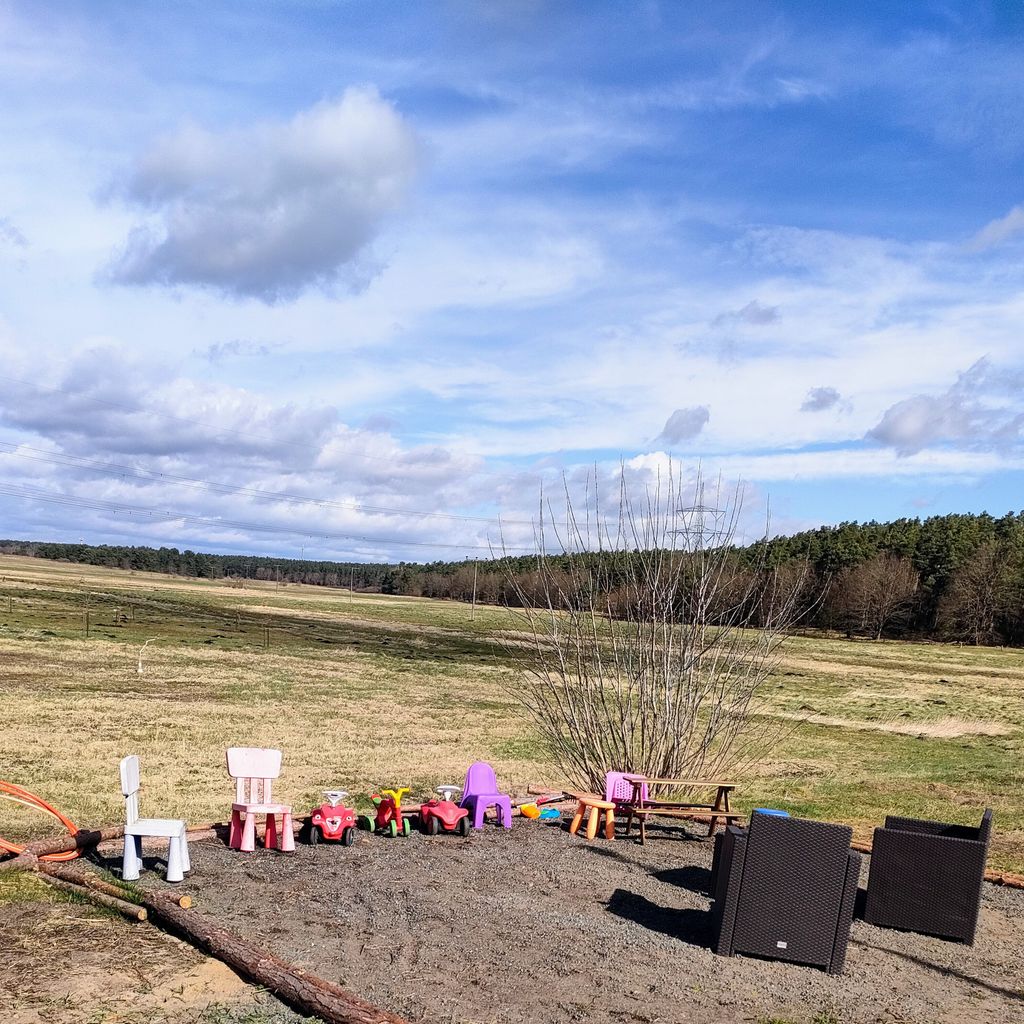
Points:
x=397 y=259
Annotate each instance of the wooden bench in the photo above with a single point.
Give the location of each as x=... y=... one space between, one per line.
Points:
x=641 y=807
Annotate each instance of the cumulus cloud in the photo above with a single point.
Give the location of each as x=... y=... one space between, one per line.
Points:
x=982 y=409
x=998 y=230
x=752 y=313
x=267 y=211
x=237 y=348
x=819 y=399
x=10 y=234
x=118 y=439
x=685 y=424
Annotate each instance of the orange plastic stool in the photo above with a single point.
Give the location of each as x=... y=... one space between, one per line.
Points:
x=593 y=805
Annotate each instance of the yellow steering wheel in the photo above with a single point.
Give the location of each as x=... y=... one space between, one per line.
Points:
x=396 y=795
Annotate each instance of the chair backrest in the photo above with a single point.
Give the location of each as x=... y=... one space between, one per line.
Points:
x=480 y=779
x=130 y=788
x=985 y=829
x=253 y=768
x=794 y=873
x=619 y=789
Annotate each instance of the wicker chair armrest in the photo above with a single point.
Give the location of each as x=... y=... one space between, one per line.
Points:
x=727 y=890
x=926 y=837
x=846 y=908
x=938 y=828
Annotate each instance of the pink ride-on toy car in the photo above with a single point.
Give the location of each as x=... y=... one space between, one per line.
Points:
x=333 y=821
x=444 y=815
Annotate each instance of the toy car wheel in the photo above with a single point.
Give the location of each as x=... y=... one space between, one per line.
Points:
x=406 y=826
x=433 y=825
x=393 y=828
x=365 y=822
x=314 y=835
x=348 y=837
x=464 y=826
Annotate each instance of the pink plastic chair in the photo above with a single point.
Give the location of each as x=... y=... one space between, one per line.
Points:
x=481 y=792
x=253 y=769
x=619 y=789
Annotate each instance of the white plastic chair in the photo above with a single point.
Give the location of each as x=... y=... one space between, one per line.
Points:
x=254 y=769
x=135 y=828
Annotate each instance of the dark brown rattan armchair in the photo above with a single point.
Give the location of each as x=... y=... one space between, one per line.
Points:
x=784 y=888
x=926 y=876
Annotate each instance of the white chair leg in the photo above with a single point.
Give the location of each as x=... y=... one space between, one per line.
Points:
x=131 y=861
x=186 y=864
x=174 y=861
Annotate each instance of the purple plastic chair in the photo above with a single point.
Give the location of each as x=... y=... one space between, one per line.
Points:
x=619 y=789
x=481 y=792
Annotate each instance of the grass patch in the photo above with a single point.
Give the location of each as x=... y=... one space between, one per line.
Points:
x=369 y=691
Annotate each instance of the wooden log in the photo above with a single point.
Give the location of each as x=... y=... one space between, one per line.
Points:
x=130 y=910
x=299 y=988
x=545 y=791
x=83 y=839
x=77 y=874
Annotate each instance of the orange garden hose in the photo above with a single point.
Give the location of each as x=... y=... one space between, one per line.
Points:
x=9 y=791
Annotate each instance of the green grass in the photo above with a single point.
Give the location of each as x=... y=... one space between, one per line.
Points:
x=367 y=691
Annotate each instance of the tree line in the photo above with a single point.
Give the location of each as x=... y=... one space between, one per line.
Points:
x=956 y=577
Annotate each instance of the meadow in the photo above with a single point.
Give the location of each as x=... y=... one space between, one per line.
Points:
x=363 y=691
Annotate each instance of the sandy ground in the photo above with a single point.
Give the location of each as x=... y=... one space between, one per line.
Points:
x=67 y=963
x=536 y=926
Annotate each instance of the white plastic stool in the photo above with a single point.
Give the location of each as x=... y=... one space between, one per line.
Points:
x=135 y=828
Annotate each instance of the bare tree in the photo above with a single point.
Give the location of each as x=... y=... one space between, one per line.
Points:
x=877 y=594
x=978 y=594
x=645 y=656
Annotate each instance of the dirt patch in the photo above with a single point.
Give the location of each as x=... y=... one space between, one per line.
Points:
x=65 y=963
x=941 y=728
x=535 y=926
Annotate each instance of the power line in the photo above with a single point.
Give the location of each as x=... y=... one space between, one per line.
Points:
x=166 y=515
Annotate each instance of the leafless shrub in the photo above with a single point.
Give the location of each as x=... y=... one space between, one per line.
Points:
x=651 y=634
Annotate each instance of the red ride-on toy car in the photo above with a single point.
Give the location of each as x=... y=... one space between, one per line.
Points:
x=444 y=815
x=332 y=820
x=389 y=820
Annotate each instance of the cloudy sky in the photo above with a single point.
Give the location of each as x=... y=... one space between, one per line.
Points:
x=352 y=279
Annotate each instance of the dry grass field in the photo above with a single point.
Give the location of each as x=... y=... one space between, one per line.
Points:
x=369 y=691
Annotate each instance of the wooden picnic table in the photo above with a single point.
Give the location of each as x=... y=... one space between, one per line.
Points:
x=641 y=807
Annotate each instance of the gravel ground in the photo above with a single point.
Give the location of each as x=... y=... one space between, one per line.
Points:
x=536 y=926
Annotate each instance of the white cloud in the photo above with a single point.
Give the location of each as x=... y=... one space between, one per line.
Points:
x=998 y=230
x=270 y=210
x=982 y=408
